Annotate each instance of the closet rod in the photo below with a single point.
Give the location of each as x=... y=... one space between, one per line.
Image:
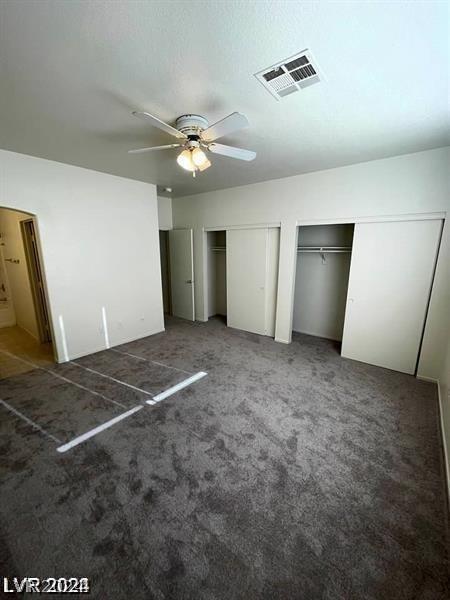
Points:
x=324 y=249
x=218 y=248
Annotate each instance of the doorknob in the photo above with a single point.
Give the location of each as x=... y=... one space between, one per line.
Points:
x=188 y=280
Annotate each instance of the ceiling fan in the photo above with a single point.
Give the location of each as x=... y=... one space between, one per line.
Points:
x=196 y=135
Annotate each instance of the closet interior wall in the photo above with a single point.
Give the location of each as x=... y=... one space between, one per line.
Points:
x=217 y=273
x=321 y=280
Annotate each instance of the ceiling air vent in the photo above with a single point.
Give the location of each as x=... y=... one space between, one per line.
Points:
x=290 y=75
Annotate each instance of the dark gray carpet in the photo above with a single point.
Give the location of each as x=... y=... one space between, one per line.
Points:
x=287 y=473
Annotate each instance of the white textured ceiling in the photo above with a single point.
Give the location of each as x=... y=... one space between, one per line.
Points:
x=72 y=72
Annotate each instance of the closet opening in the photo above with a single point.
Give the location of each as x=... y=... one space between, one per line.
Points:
x=165 y=271
x=321 y=279
x=217 y=274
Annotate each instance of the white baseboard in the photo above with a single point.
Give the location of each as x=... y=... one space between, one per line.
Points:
x=28 y=331
x=280 y=341
x=103 y=347
x=139 y=337
x=8 y=323
x=444 y=443
x=443 y=436
x=430 y=379
x=319 y=335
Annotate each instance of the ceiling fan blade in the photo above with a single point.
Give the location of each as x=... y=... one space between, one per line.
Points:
x=227 y=125
x=166 y=147
x=232 y=152
x=145 y=116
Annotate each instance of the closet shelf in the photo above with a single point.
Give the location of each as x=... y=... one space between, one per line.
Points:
x=324 y=249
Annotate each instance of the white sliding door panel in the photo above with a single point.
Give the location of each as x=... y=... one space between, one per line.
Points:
x=273 y=258
x=182 y=273
x=391 y=274
x=246 y=279
x=252 y=278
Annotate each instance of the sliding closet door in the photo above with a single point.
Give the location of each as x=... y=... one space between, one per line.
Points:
x=391 y=274
x=252 y=271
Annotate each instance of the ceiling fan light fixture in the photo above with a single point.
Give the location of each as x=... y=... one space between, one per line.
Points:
x=204 y=166
x=199 y=157
x=185 y=161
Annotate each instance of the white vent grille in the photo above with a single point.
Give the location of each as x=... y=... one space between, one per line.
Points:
x=290 y=75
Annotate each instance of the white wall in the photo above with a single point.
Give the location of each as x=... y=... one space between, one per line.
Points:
x=403 y=185
x=19 y=282
x=100 y=248
x=164 y=213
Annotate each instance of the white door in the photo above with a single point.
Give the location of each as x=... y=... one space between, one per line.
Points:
x=182 y=273
x=252 y=272
x=391 y=274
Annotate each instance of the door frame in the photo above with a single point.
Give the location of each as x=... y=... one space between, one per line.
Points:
x=225 y=228
x=372 y=219
x=167 y=250
x=37 y=279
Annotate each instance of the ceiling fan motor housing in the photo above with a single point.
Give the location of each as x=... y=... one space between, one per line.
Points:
x=191 y=125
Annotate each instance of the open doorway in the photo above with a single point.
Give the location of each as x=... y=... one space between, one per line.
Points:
x=25 y=332
x=165 y=271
